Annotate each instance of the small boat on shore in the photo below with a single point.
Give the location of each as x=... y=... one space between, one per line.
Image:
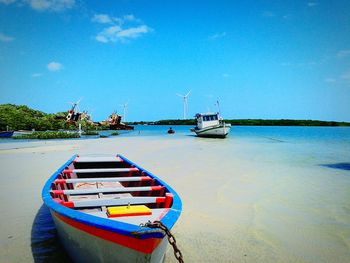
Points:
x=171 y=131
x=108 y=209
x=23 y=132
x=6 y=134
x=211 y=125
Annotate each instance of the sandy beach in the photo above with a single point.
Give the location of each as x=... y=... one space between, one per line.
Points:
x=243 y=202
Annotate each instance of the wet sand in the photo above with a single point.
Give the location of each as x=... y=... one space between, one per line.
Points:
x=243 y=201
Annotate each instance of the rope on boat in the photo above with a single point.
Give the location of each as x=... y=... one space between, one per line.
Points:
x=93 y=184
x=171 y=238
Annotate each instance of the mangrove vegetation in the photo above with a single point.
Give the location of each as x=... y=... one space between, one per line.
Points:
x=45 y=135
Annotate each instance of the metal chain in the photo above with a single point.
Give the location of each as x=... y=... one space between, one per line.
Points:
x=171 y=238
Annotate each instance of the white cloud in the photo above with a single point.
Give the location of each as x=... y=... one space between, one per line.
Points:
x=112 y=30
x=218 y=35
x=44 y=5
x=101 y=38
x=130 y=18
x=102 y=19
x=36 y=75
x=343 y=53
x=120 y=28
x=4 y=38
x=108 y=34
x=54 y=66
x=134 y=32
x=106 y=19
x=116 y=33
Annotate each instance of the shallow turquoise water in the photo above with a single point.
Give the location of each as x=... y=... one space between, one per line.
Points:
x=271 y=194
x=277 y=133
x=273 y=133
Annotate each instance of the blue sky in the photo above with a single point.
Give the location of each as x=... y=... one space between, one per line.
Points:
x=261 y=59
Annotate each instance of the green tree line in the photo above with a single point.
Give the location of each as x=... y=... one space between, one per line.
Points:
x=21 y=117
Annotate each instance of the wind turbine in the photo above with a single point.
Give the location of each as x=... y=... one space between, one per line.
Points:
x=125 y=107
x=218 y=105
x=185 y=97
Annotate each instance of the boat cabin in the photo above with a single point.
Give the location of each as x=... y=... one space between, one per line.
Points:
x=209 y=119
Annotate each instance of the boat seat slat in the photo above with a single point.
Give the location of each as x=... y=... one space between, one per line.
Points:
x=107 y=190
x=102 y=159
x=101 y=170
x=102 y=179
x=114 y=202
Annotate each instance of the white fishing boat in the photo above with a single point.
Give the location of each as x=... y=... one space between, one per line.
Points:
x=211 y=125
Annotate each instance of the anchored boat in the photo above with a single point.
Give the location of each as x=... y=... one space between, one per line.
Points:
x=211 y=125
x=101 y=206
x=6 y=134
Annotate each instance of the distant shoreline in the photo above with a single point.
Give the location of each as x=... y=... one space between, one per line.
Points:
x=21 y=117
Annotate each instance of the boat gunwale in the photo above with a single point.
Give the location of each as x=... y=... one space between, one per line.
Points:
x=122 y=228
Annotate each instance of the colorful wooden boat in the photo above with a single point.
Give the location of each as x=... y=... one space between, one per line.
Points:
x=6 y=134
x=99 y=204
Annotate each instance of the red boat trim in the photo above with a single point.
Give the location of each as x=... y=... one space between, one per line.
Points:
x=168 y=200
x=64 y=181
x=157 y=188
x=146 y=246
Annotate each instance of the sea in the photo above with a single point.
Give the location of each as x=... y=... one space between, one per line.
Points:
x=263 y=194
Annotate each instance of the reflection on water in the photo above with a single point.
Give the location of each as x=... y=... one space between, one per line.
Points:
x=44 y=240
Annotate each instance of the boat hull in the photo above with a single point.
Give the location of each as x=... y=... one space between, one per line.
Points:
x=219 y=131
x=6 y=134
x=83 y=246
x=91 y=238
